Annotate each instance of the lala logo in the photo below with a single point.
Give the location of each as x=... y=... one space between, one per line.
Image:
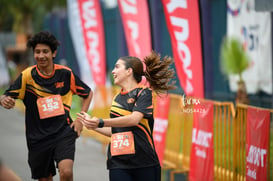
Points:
x=130 y=100
x=59 y=84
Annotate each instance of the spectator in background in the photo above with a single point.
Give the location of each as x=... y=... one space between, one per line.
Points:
x=46 y=90
x=131 y=153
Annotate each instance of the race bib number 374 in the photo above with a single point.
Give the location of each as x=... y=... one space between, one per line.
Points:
x=122 y=143
x=50 y=106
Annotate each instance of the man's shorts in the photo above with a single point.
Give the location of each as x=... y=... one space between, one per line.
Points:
x=42 y=161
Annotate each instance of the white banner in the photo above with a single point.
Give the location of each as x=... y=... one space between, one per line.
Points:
x=4 y=74
x=76 y=31
x=254 y=30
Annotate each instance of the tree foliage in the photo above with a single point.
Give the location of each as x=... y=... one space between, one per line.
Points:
x=234 y=59
x=22 y=14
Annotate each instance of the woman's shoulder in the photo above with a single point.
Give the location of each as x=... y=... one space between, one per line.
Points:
x=143 y=89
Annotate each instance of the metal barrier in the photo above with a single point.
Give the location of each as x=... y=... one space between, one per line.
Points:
x=223 y=119
x=229 y=140
x=178 y=138
x=177 y=151
x=239 y=142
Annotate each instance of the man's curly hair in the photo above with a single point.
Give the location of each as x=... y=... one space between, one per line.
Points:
x=43 y=37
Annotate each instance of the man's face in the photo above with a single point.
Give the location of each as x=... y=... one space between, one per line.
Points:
x=43 y=55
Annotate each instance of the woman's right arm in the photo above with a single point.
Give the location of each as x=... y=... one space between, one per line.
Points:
x=105 y=130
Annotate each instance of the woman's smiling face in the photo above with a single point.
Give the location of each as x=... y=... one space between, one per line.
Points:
x=120 y=73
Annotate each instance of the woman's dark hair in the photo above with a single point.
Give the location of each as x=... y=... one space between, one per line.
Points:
x=136 y=64
x=158 y=72
x=43 y=37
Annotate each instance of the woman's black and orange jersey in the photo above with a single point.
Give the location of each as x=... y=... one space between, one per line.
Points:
x=138 y=99
x=31 y=85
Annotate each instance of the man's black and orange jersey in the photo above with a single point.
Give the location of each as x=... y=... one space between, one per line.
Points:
x=124 y=103
x=32 y=85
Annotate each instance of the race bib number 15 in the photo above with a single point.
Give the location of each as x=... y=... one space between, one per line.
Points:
x=50 y=106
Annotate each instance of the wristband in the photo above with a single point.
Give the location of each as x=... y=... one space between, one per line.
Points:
x=101 y=123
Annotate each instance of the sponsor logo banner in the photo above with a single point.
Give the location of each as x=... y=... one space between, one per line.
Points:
x=182 y=19
x=161 y=125
x=136 y=24
x=202 y=143
x=257 y=142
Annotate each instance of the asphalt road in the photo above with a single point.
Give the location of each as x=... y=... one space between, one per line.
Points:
x=90 y=161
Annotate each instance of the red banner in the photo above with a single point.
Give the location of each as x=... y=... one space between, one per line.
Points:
x=161 y=125
x=182 y=19
x=201 y=159
x=136 y=23
x=93 y=34
x=257 y=144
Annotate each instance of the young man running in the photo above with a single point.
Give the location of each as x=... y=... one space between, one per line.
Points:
x=46 y=90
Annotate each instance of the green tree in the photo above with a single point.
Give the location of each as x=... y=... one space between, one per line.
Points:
x=26 y=14
x=234 y=61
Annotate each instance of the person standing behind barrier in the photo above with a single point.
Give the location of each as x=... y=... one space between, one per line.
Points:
x=46 y=90
x=131 y=153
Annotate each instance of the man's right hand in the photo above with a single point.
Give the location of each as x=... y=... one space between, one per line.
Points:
x=7 y=102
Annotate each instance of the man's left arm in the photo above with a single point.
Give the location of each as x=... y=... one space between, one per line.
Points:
x=85 y=106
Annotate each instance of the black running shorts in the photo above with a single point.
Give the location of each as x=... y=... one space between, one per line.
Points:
x=42 y=161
